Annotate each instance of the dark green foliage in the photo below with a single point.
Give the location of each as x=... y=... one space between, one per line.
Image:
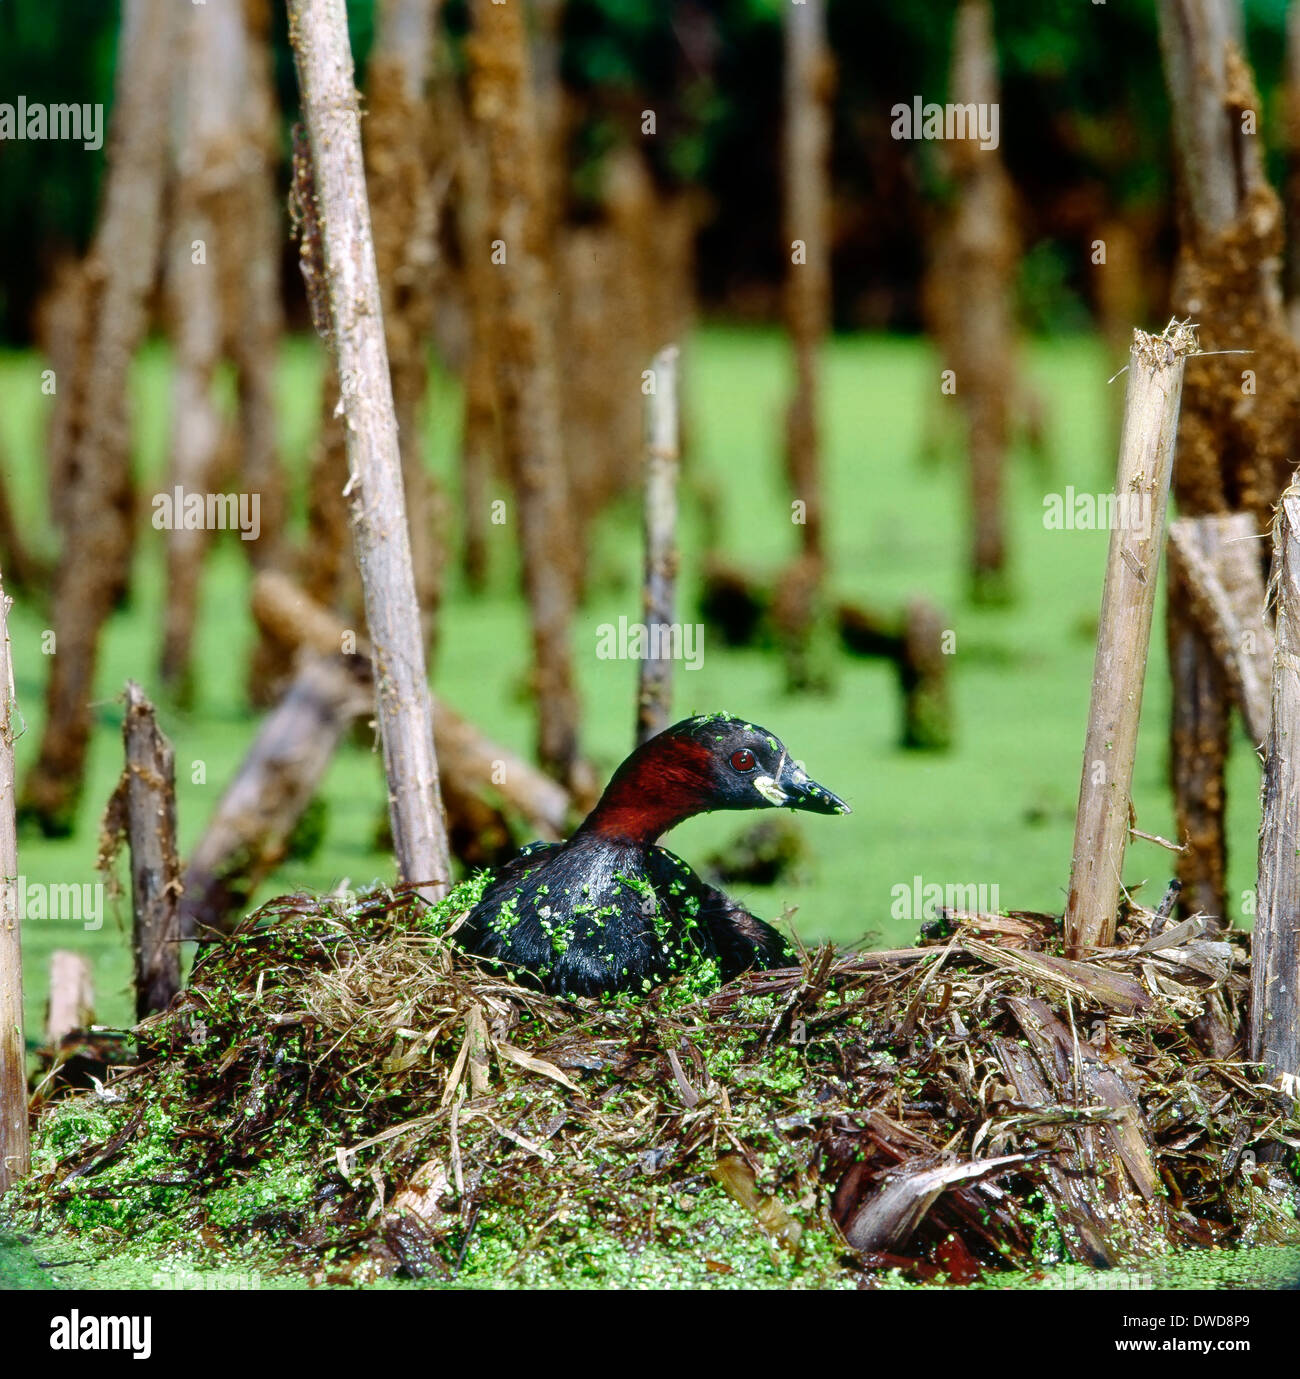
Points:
x=1085 y=123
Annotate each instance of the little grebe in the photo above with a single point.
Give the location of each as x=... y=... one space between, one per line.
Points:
x=610 y=911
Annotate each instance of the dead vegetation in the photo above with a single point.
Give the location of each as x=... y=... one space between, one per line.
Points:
x=341 y=1085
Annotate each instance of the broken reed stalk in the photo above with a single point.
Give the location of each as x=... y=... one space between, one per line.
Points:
x=809 y=90
x=71 y=1004
x=1220 y=649
x=1199 y=721
x=208 y=168
x=92 y=491
x=250 y=830
x=798 y=608
x=527 y=366
x=1215 y=559
x=1292 y=143
x=319 y=35
x=1146 y=454
x=1275 y=951
x=467 y=759
x=914 y=644
x=1194 y=41
x=980 y=254
x=150 y=781
x=654 y=696
x=923 y=676
x=1236 y=446
x=479 y=433
x=404 y=202
x=15 y=1143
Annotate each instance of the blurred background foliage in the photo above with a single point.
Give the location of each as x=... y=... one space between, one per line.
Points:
x=1084 y=135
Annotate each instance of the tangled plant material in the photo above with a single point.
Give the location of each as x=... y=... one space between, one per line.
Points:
x=341 y=1088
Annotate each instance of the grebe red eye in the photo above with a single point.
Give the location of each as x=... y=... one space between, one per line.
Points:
x=743 y=760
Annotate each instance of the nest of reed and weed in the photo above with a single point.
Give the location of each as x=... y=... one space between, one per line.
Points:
x=343 y=1090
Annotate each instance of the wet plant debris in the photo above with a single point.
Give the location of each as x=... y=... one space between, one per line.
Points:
x=343 y=1090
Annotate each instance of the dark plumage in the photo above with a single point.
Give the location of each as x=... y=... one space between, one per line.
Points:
x=608 y=910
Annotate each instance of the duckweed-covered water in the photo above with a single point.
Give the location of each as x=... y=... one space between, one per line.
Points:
x=54 y=1264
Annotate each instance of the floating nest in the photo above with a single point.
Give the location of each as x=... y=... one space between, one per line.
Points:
x=345 y=1092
